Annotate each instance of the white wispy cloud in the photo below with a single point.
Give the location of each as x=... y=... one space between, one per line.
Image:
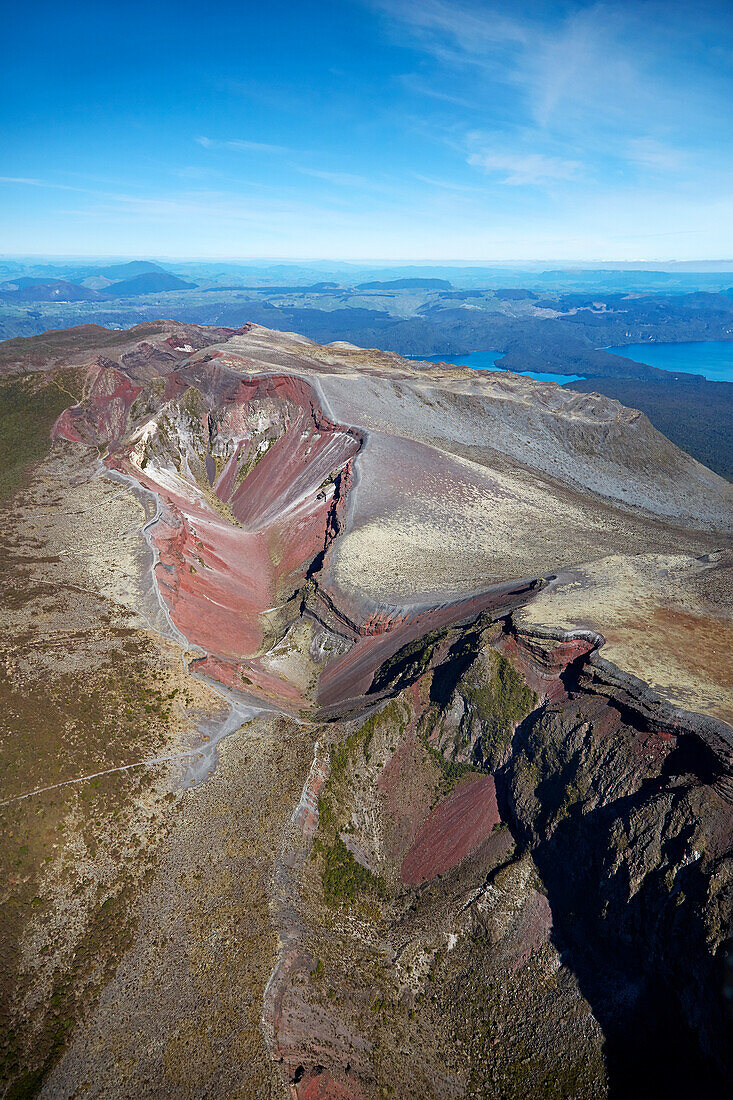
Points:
x=447 y=185
x=337 y=177
x=31 y=181
x=592 y=75
x=341 y=179
x=653 y=154
x=193 y=172
x=23 y=180
x=584 y=68
x=520 y=169
x=242 y=145
x=417 y=84
x=581 y=62
x=471 y=28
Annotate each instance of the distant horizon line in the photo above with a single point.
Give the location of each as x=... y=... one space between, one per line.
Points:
x=361 y=261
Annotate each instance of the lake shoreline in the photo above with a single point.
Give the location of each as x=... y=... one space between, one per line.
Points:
x=711 y=359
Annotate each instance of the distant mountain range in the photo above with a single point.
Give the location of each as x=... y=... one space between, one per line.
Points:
x=148 y=282
x=98 y=284
x=637 y=277
x=57 y=291
x=407 y=284
x=130 y=270
x=557 y=321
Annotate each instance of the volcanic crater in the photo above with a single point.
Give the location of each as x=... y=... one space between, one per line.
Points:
x=473 y=833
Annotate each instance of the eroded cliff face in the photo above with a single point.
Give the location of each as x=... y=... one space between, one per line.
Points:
x=456 y=845
x=535 y=877
x=249 y=474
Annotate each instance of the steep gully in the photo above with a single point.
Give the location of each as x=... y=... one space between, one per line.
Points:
x=290 y=506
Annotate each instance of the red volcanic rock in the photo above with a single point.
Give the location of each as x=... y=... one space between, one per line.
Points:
x=382 y=622
x=405 y=795
x=310 y=1041
x=215 y=579
x=350 y=676
x=65 y=426
x=653 y=746
x=291 y=471
x=322 y=1086
x=456 y=827
x=215 y=576
x=250 y=677
x=110 y=399
x=225 y=482
x=543 y=665
x=103 y=418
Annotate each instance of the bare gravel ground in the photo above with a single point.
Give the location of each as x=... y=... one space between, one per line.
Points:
x=182 y=1015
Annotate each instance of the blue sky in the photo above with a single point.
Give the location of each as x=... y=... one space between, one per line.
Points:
x=368 y=129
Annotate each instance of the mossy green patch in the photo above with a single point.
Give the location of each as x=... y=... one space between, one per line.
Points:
x=576 y=792
x=348 y=754
x=343 y=877
x=499 y=701
x=317 y=971
x=450 y=770
x=409 y=663
x=29 y=407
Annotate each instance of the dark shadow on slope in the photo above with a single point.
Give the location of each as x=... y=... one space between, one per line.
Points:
x=633 y=957
x=458 y=660
x=638 y=949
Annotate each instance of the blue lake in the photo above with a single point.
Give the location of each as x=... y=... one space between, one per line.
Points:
x=712 y=358
x=484 y=360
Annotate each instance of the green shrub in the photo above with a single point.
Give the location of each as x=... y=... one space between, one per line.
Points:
x=499 y=703
x=27 y=415
x=343 y=877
